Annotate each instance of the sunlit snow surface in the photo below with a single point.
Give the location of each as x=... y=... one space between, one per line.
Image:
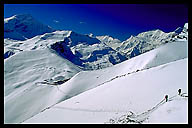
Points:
x=115 y=91
x=137 y=93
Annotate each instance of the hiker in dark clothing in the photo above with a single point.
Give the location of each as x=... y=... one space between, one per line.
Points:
x=179 y=91
x=166 y=98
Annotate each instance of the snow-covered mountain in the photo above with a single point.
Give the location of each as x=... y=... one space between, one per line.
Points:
x=42 y=77
x=38 y=42
x=149 y=40
x=82 y=50
x=144 y=42
x=183 y=34
x=87 y=51
x=24 y=26
x=46 y=70
x=110 y=41
x=30 y=78
x=130 y=92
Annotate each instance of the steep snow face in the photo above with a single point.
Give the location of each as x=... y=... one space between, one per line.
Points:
x=87 y=51
x=30 y=80
x=110 y=41
x=23 y=26
x=144 y=42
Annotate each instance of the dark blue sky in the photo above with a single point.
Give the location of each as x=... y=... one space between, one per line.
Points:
x=117 y=20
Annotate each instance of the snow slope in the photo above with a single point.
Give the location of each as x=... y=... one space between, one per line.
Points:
x=42 y=73
x=124 y=95
x=178 y=106
x=24 y=26
x=125 y=87
x=29 y=82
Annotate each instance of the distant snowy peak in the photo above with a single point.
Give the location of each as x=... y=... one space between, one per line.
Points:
x=110 y=41
x=91 y=35
x=144 y=42
x=55 y=36
x=183 y=35
x=86 y=51
x=76 y=38
x=107 y=38
x=152 y=35
x=24 y=26
x=185 y=28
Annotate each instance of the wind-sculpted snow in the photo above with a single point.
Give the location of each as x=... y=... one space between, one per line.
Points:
x=23 y=26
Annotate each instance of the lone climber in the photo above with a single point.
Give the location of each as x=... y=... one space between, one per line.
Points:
x=179 y=91
x=166 y=98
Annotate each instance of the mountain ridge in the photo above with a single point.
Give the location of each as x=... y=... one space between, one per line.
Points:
x=24 y=26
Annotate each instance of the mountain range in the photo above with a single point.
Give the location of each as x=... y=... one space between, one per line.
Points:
x=44 y=67
x=83 y=50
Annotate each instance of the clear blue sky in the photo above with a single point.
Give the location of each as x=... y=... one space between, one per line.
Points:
x=117 y=20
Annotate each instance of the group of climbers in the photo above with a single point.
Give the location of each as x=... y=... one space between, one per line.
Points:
x=166 y=96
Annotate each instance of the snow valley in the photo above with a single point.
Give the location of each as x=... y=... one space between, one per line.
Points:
x=60 y=76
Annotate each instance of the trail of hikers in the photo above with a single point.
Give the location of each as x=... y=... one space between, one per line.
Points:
x=140 y=118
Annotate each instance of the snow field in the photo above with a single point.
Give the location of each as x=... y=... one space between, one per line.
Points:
x=146 y=88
